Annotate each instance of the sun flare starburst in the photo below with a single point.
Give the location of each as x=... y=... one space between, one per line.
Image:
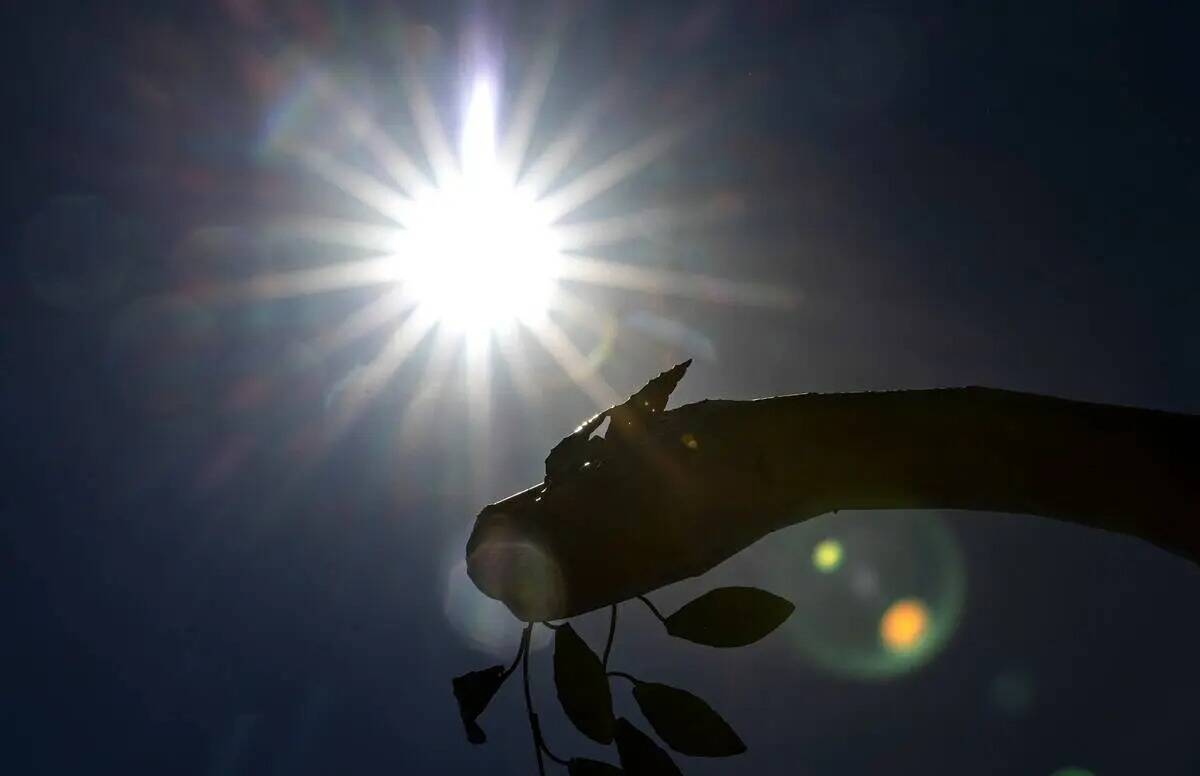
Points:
x=480 y=246
x=478 y=251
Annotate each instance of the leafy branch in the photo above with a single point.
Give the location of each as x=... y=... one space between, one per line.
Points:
x=725 y=617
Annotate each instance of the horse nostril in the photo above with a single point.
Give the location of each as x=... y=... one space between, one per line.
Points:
x=512 y=568
x=491 y=522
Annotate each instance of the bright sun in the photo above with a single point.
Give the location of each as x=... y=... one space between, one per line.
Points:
x=483 y=249
x=478 y=252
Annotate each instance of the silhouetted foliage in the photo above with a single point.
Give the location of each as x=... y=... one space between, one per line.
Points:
x=729 y=617
x=640 y=756
x=686 y=723
x=664 y=491
x=725 y=617
x=582 y=686
x=474 y=691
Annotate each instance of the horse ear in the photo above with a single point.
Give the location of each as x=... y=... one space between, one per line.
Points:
x=574 y=449
x=628 y=420
x=652 y=398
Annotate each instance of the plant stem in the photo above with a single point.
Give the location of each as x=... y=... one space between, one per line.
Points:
x=539 y=743
x=533 y=722
x=612 y=630
x=542 y=742
x=646 y=601
x=625 y=676
x=520 y=653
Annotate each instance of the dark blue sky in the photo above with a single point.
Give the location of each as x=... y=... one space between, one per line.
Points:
x=199 y=579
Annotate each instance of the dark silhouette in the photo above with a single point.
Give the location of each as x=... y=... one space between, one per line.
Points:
x=662 y=496
x=725 y=617
x=667 y=495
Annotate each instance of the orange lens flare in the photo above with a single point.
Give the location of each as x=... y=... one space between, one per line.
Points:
x=904 y=625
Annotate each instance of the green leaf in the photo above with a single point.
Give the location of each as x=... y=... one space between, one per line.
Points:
x=581 y=766
x=473 y=692
x=686 y=723
x=582 y=686
x=730 y=617
x=640 y=756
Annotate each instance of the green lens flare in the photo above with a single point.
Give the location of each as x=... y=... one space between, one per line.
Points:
x=1013 y=692
x=827 y=555
x=895 y=600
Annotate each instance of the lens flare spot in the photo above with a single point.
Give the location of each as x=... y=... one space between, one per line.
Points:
x=827 y=555
x=838 y=625
x=689 y=441
x=483 y=624
x=520 y=574
x=1013 y=692
x=904 y=625
x=1072 y=771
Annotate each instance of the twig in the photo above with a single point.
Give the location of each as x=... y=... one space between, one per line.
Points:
x=612 y=630
x=542 y=743
x=646 y=601
x=539 y=743
x=533 y=723
x=625 y=676
x=520 y=653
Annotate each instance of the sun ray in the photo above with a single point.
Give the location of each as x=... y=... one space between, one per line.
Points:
x=583 y=313
x=364 y=187
x=429 y=129
x=588 y=185
x=376 y=375
x=515 y=144
x=478 y=370
x=341 y=232
x=618 y=229
x=559 y=154
x=398 y=164
x=304 y=282
x=389 y=306
x=613 y=274
x=517 y=363
x=477 y=141
x=420 y=412
x=573 y=363
x=407 y=338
